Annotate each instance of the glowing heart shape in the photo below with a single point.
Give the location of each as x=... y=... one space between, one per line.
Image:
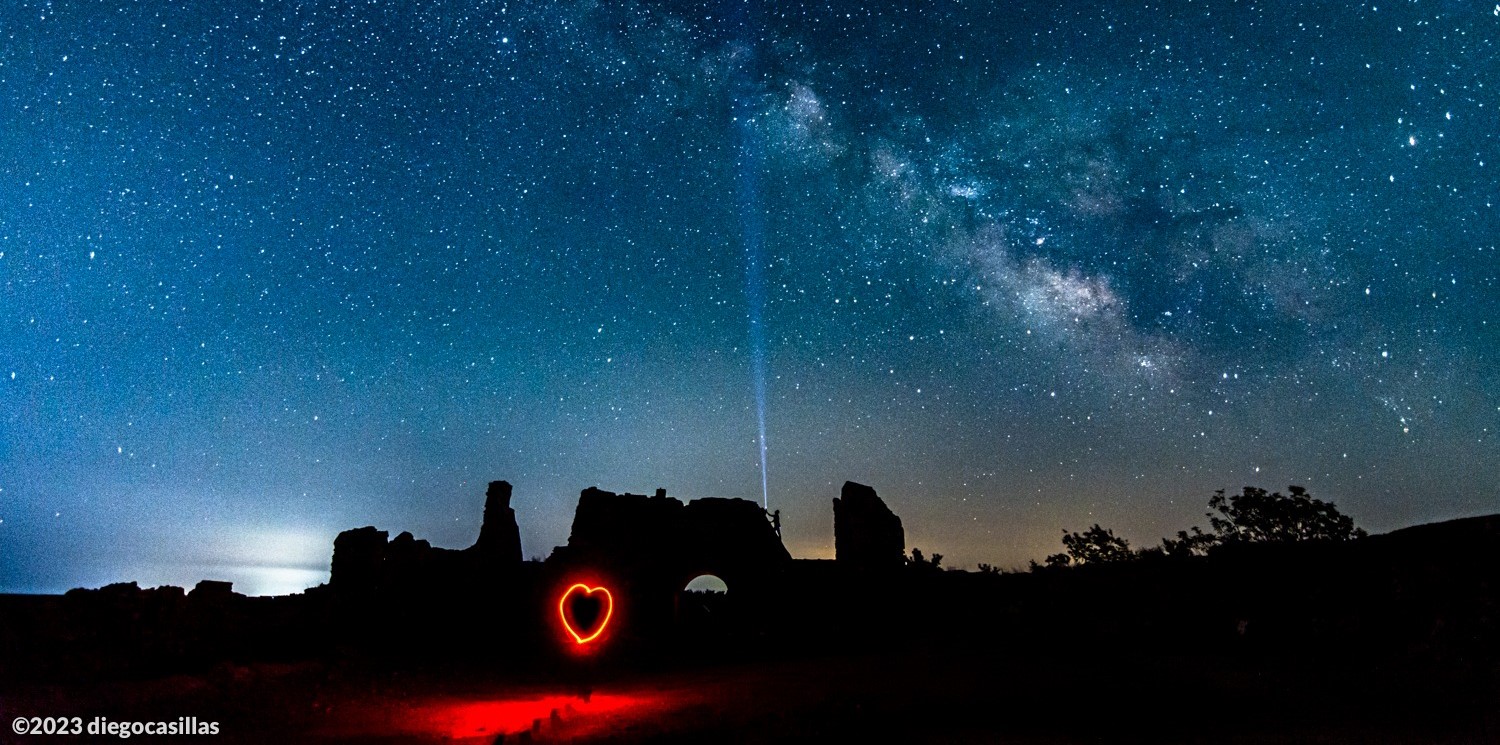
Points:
x=574 y=607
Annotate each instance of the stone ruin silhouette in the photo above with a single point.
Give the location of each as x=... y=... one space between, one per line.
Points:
x=366 y=561
x=1425 y=590
x=646 y=548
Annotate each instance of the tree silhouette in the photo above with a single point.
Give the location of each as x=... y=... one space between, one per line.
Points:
x=1196 y=543
x=1256 y=517
x=1253 y=516
x=1095 y=546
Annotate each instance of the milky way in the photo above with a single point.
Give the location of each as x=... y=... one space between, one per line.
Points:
x=273 y=269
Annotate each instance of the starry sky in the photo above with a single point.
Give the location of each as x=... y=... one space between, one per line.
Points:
x=270 y=269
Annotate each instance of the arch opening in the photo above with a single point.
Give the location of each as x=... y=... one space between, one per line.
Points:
x=707 y=583
x=703 y=605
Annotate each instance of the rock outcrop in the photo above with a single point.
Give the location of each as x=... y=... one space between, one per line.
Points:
x=499 y=537
x=866 y=534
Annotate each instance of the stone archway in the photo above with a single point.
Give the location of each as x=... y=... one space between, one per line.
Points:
x=706 y=582
x=654 y=546
x=703 y=606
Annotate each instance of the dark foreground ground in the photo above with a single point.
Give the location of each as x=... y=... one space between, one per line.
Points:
x=1023 y=696
x=1391 y=639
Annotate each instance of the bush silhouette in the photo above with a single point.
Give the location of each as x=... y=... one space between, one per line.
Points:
x=1096 y=545
x=922 y=564
x=1253 y=516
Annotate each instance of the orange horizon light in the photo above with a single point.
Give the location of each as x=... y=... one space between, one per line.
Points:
x=562 y=611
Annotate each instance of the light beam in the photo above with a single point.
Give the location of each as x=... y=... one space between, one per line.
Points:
x=752 y=230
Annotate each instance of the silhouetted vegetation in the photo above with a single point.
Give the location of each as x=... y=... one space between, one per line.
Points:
x=921 y=563
x=1196 y=543
x=1097 y=545
x=1255 y=516
x=1252 y=516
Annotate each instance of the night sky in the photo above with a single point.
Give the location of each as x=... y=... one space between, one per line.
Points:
x=270 y=269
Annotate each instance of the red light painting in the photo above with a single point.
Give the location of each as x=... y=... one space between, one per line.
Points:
x=485 y=719
x=585 y=611
x=481 y=720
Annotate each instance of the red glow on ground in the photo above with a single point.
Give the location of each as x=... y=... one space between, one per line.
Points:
x=468 y=719
x=478 y=720
x=582 y=635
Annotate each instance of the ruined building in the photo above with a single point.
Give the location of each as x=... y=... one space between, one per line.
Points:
x=366 y=562
x=866 y=534
x=646 y=549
